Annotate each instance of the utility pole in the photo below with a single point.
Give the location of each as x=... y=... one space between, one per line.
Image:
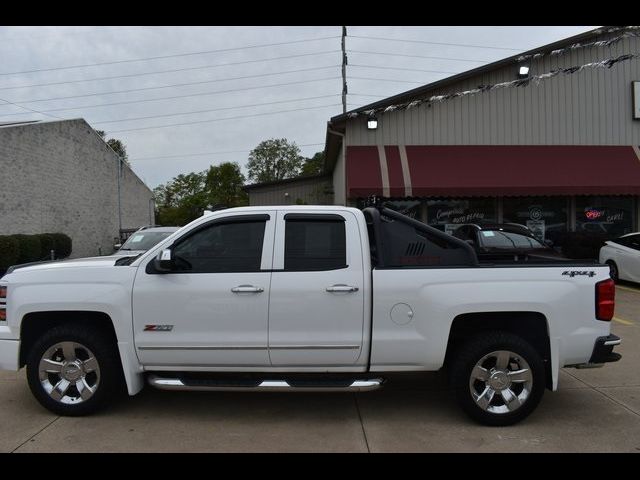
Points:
x=344 y=70
x=119 y=198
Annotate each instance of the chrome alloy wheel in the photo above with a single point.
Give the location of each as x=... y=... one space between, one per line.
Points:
x=501 y=382
x=69 y=372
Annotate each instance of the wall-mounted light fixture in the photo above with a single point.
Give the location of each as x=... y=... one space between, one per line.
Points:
x=372 y=122
x=523 y=71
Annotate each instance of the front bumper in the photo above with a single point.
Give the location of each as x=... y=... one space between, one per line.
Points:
x=9 y=353
x=603 y=350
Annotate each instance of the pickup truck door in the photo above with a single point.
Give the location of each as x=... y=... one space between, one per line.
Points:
x=316 y=307
x=215 y=313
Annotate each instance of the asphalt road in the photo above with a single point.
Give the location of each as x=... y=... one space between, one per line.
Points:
x=595 y=410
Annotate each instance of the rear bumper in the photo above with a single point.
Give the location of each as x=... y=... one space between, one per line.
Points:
x=603 y=350
x=9 y=352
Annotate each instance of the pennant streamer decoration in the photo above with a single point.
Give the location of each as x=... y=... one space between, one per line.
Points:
x=536 y=79
x=600 y=43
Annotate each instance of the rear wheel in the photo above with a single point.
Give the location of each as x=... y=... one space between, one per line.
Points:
x=73 y=370
x=613 y=270
x=498 y=378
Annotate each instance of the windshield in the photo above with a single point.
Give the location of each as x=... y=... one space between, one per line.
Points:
x=503 y=240
x=144 y=240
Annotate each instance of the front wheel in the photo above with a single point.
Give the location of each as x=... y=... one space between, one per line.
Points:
x=498 y=378
x=73 y=370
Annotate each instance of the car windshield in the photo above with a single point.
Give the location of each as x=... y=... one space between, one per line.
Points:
x=144 y=240
x=503 y=240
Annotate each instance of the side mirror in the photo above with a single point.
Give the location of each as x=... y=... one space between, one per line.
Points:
x=164 y=261
x=471 y=242
x=117 y=246
x=548 y=242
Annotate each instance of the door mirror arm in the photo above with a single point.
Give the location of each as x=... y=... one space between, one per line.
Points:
x=164 y=262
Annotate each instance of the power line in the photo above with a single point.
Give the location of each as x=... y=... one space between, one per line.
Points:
x=223 y=119
x=211 y=153
x=167 y=71
x=419 y=56
x=400 y=68
x=366 y=95
x=383 y=80
x=126 y=102
x=169 y=56
x=179 y=84
x=213 y=110
x=7 y=102
x=435 y=43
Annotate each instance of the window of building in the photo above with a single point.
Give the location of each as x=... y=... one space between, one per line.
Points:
x=222 y=247
x=546 y=217
x=448 y=214
x=410 y=208
x=609 y=216
x=312 y=245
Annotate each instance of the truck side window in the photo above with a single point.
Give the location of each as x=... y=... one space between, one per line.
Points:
x=222 y=247
x=311 y=245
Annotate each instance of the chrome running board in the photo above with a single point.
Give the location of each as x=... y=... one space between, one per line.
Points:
x=290 y=385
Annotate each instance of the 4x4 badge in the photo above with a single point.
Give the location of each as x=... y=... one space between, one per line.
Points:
x=573 y=273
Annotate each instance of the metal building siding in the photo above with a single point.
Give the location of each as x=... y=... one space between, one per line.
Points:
x=592 y=107
x=309 y=191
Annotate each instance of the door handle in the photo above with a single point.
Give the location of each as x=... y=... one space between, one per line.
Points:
x=247 y=289
x=342 y=288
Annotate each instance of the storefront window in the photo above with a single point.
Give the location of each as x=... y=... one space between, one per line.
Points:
x=546 y=217
x=410 y=208
x=604 y=215
x=449 y=214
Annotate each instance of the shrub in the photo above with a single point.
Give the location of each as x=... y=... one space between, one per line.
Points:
x=61 y=244
x=583 y=245
x=28 y=247
x=47 y=243
x=9 y=252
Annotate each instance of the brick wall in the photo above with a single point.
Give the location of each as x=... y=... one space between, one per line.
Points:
x=62 y=177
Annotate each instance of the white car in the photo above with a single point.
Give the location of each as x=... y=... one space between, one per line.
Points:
x=623 y=257
x=144 y=239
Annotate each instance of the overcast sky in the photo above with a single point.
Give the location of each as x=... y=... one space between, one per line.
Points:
x=292 y=71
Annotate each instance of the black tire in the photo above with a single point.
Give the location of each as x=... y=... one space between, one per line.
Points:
x=479 y=347
x=613 y=270
x=108 y=360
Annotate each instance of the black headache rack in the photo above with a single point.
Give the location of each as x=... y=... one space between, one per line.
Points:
x=398 y=241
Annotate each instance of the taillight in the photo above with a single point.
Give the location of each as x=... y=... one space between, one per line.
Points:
x=605 y=299
x=3 y=302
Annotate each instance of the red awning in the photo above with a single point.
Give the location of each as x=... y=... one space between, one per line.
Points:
x=492 y=170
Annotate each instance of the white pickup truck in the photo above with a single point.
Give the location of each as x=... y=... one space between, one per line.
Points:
x=303 y=298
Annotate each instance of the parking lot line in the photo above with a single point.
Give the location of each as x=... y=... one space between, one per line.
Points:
x=622 y=321
x=628 y=289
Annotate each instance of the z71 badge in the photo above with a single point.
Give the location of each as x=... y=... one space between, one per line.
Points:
x=574 y=273
x=158 y=328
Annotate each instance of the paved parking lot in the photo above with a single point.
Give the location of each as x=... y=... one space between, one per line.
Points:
x=594 y=410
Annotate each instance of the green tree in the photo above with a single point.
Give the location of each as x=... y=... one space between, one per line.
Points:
x=224 y=184
x=116 y=145
x=181 y=200
x=314 y=165
x=274 y=159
